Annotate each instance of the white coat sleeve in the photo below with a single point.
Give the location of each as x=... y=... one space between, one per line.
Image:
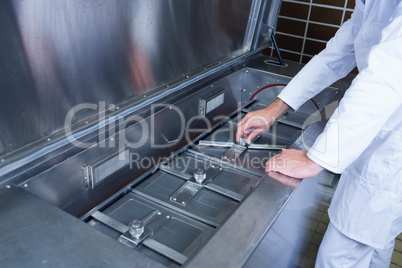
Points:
x=333 y=63
x=375 y=94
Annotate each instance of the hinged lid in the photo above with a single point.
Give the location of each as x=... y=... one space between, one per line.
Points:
x=60 y=55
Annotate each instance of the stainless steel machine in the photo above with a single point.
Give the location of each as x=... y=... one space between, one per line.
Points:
x=117 y=134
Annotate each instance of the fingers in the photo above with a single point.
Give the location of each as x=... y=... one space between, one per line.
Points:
x=277 y=163
x=280 y=162
x=253 y=123
x=241 y=126
x=253 y=134
x=261 y=119
x=293 y=163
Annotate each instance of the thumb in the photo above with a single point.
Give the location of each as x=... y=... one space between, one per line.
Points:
x=253 y=134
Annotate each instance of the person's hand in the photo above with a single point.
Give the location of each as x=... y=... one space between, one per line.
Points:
x=256 y=122
x=293 y=163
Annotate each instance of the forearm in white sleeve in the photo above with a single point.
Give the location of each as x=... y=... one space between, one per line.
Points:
x=372 y=99
x=333 y=63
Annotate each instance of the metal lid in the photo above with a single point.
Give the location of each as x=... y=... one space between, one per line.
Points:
x=78 y=60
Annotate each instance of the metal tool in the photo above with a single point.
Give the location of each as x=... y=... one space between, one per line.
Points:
x=241 y=143
x=236 y=149
x=243 y=140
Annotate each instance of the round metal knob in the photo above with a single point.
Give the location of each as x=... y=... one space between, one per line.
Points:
x=200 y=175
x=136 y=228
x=243 y=140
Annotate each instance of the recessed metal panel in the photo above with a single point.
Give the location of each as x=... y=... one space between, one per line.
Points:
x=206 y=205
x=221 y=177
x=171 y=237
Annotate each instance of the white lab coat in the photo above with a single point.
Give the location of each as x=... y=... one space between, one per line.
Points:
x=363 y=139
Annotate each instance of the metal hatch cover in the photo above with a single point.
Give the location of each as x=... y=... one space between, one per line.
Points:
x=172 y=237
x=123 y=62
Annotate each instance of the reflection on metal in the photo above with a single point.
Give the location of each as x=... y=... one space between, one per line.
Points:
x=87 y=52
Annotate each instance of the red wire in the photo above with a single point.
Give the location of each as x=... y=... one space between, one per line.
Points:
x=279 y=85
x=316 y=106
x=261 y=89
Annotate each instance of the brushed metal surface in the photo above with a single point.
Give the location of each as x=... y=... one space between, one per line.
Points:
x=61 y=183
x=248 y=223
x=68 y=53
x=126 y=56
x=34 y=233
x=244 y=229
